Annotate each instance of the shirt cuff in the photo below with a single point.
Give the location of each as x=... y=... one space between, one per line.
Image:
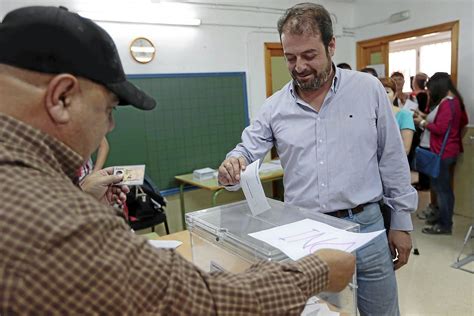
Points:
x=401 y=221
x=402 y=206
x=316 y=273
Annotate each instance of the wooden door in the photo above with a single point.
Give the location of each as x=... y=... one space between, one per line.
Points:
x=276 y=76
x=276 y=71
x=372 y=53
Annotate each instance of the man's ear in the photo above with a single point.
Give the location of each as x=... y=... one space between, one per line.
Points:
x=332 y=46
x=59 y=95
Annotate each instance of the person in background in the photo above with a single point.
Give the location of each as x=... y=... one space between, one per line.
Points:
x=62 y=250
x=400 y=96
x=419 y=92
x=340 y=149
x=89 y=166
x=344 y=66
x=420 y=95
x=449 y=111
x=404 y=117
x=431 y=213
x=371 y=71
x=102 y=154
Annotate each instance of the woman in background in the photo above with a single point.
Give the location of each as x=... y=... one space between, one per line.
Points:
x=89 y=167
x=419 y=92
x=404 y=117
x=420 y=95
x=449 y=111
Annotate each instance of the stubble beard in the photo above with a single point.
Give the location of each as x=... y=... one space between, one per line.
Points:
x=319 y=79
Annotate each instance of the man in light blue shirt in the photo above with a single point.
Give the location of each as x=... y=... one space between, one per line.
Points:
x=340 y=148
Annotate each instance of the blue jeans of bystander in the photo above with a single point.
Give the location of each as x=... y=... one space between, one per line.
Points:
x=444 y=194
x=377 y=292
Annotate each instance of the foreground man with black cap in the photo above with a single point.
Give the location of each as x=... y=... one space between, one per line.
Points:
x=61 y=250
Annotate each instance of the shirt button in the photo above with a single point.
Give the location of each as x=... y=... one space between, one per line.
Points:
x=320 y=140
x=321 y=162
x=323 y=185
x=324 y=205
x=318 y=119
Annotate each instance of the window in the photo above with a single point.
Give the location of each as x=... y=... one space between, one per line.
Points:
x=428 y=53
x=435 y=57
x=405 y=62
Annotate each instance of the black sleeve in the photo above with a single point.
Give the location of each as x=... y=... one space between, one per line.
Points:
x=422 y=99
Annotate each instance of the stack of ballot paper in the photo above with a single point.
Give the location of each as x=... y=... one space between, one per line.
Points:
x=203 y=174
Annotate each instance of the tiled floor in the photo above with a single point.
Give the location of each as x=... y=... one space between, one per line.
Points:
x=428 y=285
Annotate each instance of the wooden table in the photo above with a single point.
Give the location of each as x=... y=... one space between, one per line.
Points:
x=213 y=185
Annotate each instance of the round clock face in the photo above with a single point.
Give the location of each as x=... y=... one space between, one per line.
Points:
x=142 y=50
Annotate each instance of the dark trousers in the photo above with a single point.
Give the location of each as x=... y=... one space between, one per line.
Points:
x=444 y=193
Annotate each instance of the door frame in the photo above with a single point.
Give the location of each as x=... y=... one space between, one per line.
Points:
x=452 y=27
x=271 y=50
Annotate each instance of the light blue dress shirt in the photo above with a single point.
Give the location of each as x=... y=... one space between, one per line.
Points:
x=348 y=153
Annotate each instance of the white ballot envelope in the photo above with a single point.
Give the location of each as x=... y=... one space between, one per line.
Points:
x=167 y=244
x=253 y=190
x=132 y=175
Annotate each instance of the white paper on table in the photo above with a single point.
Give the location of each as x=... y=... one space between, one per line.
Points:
x=316 y=307
x=410 y=105
x=169 y=244
x=253 y=190
x=304 y=237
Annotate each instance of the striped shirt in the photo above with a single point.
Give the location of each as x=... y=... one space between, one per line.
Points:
x=62 y=252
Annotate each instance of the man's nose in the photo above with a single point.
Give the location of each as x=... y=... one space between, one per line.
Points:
x=300 y=65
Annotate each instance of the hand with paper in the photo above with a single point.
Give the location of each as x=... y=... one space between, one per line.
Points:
x=229 y=170
x=104 y=186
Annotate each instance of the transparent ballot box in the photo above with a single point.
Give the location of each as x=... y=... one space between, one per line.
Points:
x=220 y=241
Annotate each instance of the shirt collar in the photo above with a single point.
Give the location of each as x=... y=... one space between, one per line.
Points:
x=336 y=82
x=34 y=148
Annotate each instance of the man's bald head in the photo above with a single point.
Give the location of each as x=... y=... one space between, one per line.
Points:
x=74 y=110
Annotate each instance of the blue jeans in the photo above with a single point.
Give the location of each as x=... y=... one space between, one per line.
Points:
x=444 y=193
x=377 y=286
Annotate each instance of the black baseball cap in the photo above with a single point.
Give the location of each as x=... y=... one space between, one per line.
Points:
x=55 y=40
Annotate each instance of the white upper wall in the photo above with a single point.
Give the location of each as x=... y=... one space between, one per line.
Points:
x=425 y=13
x=213 y=47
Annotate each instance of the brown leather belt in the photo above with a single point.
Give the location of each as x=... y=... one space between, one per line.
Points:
x=345 y=213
